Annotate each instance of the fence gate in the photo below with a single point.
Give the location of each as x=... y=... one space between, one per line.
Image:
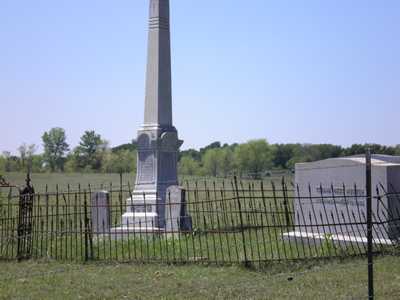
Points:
x=25 y=220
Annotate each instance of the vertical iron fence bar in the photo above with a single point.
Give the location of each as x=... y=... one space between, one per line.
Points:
x=200 y=230
x=86 y=228
x=205 y=228
x=13 y=221
x=51 y=231
x=326 y=217
x=369 y=224
x=104 y=235
x=211 y=218
x=246 y=262
x=217 y=210
x=274 y=227
x=57 y=221
x=66 y=230
x=254 y=212
x=97 y=226
x=191 y=211
x=133 y=225
x=225 y=223
x=285 y=202
x=248 y=216
x=187 y=231
x=76 y=227
x=35 y=218
x=334 y=197
x=315 y=219
x=264 y=203
x=69 y=215
x=277 y=220
x=233 y=224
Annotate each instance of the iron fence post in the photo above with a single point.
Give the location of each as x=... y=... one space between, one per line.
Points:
x=369 y=224
x=285 y=203
x=24 y=225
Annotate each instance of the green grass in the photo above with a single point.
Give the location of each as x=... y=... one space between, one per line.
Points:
x=320 y=280
x=96 y=180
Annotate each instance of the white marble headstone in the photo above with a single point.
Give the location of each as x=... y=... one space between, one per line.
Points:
x=333 y=191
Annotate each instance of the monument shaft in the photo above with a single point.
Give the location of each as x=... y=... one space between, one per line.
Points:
x=158 y=103
x=158 y=142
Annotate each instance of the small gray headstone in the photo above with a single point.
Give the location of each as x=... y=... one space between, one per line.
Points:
x=175 y=210
x=100 y=212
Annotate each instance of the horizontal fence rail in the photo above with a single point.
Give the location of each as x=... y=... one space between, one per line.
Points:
x=231 y=222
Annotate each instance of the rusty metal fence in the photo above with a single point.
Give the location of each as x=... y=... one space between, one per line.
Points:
x=246 y=222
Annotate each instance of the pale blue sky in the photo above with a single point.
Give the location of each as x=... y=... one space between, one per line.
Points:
x=289 y=71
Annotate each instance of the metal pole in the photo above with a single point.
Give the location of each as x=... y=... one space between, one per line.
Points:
x=369 y=224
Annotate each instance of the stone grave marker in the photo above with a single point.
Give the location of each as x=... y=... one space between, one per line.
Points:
x=333 y=192
x=100 y=212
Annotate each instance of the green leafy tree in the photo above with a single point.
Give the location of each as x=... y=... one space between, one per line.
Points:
x=26 y=153
x=55 y=148
x=282 y=154
x=225 y=161
x=196 y=155
x=6 y=159
x=214 y=145
x=211 y=162
x=254 y=157
x=189 y=166
x=11 y=162
x=90 y=152
x=36 y=163
x=132 y=146
x=2 y=164
x=397 y=150
x=123 y=161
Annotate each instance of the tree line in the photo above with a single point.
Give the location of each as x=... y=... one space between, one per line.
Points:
x=253 y=158
x=259 y=158
x=92 y=154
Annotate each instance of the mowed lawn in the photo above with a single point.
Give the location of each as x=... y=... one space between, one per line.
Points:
x=323 y=280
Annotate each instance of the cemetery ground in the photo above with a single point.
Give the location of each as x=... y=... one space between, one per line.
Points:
x=318 y=280
x=46 y=278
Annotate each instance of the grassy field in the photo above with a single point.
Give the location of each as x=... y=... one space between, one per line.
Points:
x=322 y=280
x=96 y=180
x=40 y=180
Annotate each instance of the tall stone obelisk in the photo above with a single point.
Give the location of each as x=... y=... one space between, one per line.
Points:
x=158 y=142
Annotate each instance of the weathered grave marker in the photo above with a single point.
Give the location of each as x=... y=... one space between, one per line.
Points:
x=100 y=212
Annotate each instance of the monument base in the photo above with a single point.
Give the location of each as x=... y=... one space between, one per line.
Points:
x=141 y=210
x=143 y=216
x=341 y=239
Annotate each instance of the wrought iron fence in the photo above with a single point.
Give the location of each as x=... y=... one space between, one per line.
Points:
x=232 y=222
